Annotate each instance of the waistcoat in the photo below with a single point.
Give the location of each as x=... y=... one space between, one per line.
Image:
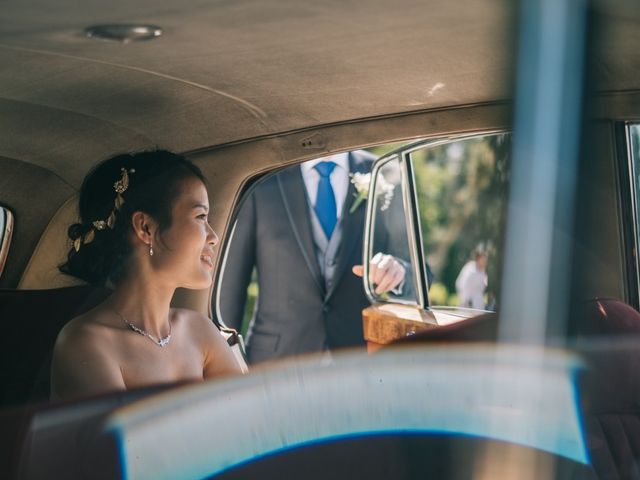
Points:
x=326 y=249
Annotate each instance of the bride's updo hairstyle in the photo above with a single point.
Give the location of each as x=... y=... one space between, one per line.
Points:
x=111 y=192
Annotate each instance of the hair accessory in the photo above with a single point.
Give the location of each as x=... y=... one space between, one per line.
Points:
x=120 y=186
x=99 y=224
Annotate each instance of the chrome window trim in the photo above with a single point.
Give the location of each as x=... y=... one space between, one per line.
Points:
x=370 y=227
x=7 y=233
x=414 y=232
x=629 y=209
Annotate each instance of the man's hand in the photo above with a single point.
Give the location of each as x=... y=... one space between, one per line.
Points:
x=385 y=272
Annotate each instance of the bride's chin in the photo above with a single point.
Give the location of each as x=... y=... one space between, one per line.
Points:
x=199 y=284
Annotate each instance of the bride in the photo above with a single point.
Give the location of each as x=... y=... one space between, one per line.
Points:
x=144 y=231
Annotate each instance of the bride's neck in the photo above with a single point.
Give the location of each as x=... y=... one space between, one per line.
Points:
x=142 y=302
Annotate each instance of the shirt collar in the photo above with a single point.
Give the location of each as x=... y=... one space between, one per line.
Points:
x=340 y=159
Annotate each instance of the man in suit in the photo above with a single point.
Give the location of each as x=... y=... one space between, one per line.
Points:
x=296 y=228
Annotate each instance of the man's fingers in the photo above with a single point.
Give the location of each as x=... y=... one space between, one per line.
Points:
x=386 y=283
x=373 y=267
x=399 y=278
x=385 y=272
x=358 y=270
x=381 y=271
x=394 y=274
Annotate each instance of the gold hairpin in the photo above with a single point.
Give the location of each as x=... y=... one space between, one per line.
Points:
x=120 y=186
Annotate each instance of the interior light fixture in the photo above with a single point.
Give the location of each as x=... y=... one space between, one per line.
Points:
x=123 y=33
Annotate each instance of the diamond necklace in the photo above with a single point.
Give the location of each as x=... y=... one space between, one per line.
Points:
x=163 y=342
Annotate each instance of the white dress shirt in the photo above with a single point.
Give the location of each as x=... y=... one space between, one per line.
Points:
x=339 y=179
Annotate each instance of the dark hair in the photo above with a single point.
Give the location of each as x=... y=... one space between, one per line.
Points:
x=154 y=183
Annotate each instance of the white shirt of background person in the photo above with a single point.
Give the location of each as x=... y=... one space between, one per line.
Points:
x=471 y=285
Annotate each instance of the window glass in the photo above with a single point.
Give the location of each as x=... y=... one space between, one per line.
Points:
x=6 y=229
x=389 y=249
x=634 y=135
x=462 y=194
x=635 y=143
x=634 y=147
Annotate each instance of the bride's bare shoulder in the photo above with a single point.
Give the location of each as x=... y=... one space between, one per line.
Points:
x=84 y=331
x=198 y=325
x=218 y=358
x=83 y=358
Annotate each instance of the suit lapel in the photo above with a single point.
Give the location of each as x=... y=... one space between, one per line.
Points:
x=352 y=226
x=294 y=197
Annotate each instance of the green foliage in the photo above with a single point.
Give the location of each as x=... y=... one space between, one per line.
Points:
x=438 y=294
x=452 y=299
x=252 y=296
x=381 y=150
x=462 y=196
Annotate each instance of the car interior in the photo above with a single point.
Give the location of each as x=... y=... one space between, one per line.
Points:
x=247 y=89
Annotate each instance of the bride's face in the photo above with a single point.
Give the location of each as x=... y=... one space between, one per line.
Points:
x=184 y=251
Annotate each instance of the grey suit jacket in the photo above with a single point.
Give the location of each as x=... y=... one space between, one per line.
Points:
x=294 y=314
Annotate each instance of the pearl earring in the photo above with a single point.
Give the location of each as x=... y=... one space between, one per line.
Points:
x=150 y=249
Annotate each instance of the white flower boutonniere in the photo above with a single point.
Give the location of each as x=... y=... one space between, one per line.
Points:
x=361 y=182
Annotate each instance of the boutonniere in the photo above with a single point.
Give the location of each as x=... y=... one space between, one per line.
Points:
x=361 y=182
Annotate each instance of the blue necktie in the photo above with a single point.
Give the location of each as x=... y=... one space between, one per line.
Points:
x=326 y=199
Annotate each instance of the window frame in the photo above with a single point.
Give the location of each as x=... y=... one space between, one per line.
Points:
x=628 y=204
x=412 y=217
x=6 y=235
x=408 y=195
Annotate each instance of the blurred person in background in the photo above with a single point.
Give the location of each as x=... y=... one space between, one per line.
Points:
x=472 y=281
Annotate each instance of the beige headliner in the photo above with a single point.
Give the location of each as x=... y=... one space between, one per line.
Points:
x=225 y=71
x=222 y=72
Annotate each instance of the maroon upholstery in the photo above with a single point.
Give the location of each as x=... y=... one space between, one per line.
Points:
x=609 y=340
x=51 y=440
x=31 y=320
x=483 y=328
x=607 y=316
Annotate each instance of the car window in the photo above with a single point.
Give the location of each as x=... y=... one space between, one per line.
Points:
x=6 y=230
x=459 y=191
x=389 y=242
x=461 y=187
x=289 y=258
x=633 y=145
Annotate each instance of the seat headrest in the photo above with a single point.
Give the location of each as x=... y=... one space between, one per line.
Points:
x=608 y=316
